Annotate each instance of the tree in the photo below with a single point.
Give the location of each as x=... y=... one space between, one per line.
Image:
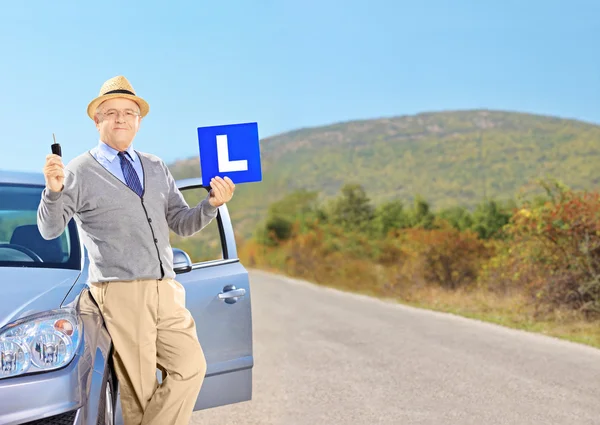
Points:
x=421 y=215
x=352 y=210
x=294 y=207
x=458 y=217
x=275 y=230
x=488 y=218
x=390 y=215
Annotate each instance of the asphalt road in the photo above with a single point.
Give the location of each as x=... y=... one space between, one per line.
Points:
x=328 y=357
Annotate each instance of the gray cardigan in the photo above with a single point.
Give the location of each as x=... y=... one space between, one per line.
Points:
x=127 y=237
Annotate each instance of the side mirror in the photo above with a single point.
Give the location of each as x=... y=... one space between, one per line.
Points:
x=182 y=262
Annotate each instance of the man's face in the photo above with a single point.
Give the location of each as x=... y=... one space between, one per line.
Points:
x=118 y=121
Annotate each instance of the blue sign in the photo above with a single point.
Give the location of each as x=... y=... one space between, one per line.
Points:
x=230 y=150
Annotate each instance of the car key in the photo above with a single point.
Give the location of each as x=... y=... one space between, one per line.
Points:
x=56 y=147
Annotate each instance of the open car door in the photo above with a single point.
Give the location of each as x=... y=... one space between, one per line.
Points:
x=218 y=296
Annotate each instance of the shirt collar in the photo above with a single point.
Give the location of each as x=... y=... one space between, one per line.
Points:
x=111 y=153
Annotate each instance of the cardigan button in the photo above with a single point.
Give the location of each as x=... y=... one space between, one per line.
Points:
x=149 y=220
x=155 y=240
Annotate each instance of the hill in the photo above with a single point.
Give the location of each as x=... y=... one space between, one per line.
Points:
x=449 y=158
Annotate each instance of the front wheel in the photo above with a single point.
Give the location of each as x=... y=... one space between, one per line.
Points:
x=106 y=408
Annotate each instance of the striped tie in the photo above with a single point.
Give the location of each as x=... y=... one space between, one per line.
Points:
x=130 y=175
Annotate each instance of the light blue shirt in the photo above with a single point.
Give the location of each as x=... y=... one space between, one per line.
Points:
x=108 y=158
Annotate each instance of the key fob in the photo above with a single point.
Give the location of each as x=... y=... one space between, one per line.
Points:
x=56 y=149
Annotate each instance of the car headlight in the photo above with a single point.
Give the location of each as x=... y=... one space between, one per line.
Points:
x=38 y=343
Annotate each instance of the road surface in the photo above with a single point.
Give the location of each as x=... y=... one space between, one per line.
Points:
x=327 y=357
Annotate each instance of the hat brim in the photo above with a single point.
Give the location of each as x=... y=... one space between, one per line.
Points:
x=144 y=107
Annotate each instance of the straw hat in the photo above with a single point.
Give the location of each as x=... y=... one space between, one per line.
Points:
x=117 y=87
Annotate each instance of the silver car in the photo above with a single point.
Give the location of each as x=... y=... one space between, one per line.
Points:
x=55 y=353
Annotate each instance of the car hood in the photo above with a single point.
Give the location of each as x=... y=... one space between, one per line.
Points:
x=25 y=291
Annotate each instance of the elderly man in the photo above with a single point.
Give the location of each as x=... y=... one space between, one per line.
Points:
x=124 y=202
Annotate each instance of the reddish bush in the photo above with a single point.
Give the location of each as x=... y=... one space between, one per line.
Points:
x=447 y=257
x=555 y=251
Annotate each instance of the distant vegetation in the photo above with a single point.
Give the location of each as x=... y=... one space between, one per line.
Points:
x=487 y=214
x=448 y=159
x=540 y=259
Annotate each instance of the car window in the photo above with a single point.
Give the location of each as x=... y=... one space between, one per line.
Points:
x=205 y=245
x=21 y=244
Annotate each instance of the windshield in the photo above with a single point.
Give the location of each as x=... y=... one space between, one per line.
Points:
x=21 y=244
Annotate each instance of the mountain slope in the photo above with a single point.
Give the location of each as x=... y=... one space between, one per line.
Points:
x=449 y=158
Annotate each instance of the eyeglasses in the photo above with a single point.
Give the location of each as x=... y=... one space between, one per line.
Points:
x=129 y=114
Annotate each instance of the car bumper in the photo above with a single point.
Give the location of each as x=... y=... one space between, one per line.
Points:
x=42 y=395
x=71 y=393
x=68 y=418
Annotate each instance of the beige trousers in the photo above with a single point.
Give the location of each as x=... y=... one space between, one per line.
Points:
x=150 y=326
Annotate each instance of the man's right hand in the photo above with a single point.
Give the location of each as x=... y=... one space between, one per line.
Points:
x=54 y=173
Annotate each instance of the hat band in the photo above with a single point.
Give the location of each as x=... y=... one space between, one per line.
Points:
x=121 y=91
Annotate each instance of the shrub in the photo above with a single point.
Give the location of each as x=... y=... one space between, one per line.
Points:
x=555 y=252
x=447 y=257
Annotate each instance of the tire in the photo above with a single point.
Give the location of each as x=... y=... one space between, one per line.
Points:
x=106 y=407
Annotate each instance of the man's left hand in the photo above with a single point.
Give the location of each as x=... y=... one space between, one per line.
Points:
x=221 y=191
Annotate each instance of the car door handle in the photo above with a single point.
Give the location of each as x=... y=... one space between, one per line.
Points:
x=231 y=293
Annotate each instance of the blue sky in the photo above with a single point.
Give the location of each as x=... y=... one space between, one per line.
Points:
x=285 y=64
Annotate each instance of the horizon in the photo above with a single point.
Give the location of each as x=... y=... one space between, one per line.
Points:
x=442 y=111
